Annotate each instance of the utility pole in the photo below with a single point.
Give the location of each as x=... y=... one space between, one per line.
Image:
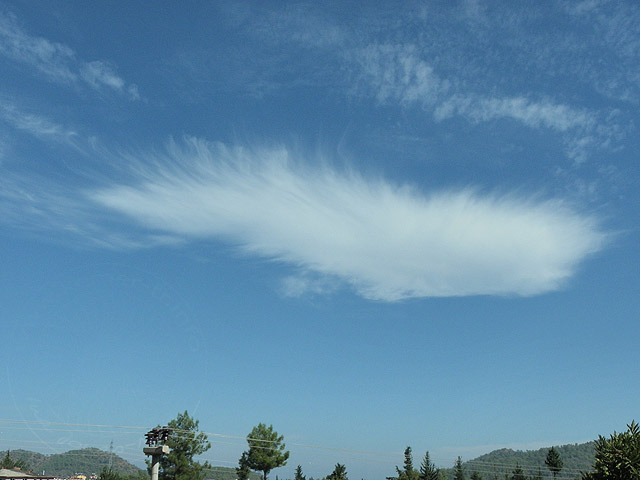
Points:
x=156 y=448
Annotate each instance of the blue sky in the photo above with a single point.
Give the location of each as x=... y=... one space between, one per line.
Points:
x=371 y=226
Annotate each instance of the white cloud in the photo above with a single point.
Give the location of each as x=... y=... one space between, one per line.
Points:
x=100 y=74
x=396 y=73
x=39 y=203
x=388 y=242
x=34 y=124
x=533 y=114
x=581 y=7
x=52 y=59
x=57 y=62
x=306 y=283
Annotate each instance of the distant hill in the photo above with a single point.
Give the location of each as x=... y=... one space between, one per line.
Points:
x=93 y=460
x=576 y=458
x=86 y=460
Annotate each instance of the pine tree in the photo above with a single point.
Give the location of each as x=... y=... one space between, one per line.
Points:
x=10 y=463
x=458 y=470
x=339 y=473
x=553 y=462
x=409 y=473
x=266 y=449
x=243 y=471
x=518 y=473
x=185 y=442
x=299 y=475
x=428 y=470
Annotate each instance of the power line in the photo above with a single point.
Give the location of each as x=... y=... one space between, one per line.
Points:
x=388 y=458
x=181 y=434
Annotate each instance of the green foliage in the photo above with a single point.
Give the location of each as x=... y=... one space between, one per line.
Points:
x=185 y=442
x=8 y=462
x=553 y=462
x=408 y=472
x=428 y=470
x=243 y=471
x=140 y=475
x=87 y=460
x=518 y=473
x=225 y=473
x=339 y=473
x=108 y=473
x=298 y=475
x=576 y=458
x=538 y=475
x=442 y=475
x=617 y=457
x=475 y=476
x=266 y=449
x=458 y=470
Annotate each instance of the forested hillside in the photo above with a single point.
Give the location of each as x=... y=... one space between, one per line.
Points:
x=494 y=465
x=86 y=460
x=93 y=460
x=576 y=458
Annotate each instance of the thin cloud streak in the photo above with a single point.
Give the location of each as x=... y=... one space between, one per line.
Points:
x=57 y=62
x=388 y=242
x=532 y=114
x=49 y=58
x=396 y=73
x=34 y=124
x=37 y=204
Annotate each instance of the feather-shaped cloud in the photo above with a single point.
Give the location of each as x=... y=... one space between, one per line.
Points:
x=389 y=242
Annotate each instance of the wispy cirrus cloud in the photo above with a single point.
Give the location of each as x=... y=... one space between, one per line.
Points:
x=533 y=114
x=57 y=62
x=583 y=130
x=52 y=59
x=101 y=74
x=37 y=203
x=480 y=63
x=34 y=124
x=386 y=241
x=397 y=74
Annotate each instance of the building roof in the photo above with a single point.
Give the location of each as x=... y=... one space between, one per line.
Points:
x=9 y=474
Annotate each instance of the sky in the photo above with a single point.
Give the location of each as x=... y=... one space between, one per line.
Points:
x=369 y=224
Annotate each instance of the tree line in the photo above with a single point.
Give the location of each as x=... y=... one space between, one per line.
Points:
x=616 y=458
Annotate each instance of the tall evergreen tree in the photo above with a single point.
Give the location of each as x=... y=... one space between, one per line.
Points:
x=298 y=474
x=428 y=470
x=409 y=473
x=553 y=462
x=10 y=463
x=518 y=473
x=266 y=449
x=185 y=442
x=243 y=471
x=339 y=473
x=458 y=470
